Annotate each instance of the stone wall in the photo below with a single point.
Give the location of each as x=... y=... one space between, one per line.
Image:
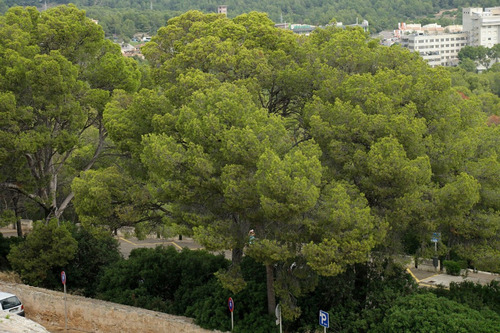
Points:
x=88 y=315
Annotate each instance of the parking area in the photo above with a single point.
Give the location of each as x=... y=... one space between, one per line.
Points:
x=428 y=278
x=127 y=244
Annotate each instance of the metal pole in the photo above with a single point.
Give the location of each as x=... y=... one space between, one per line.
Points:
x=232 y=322
x=435 y=252
x=65 y=310
x=281 y=327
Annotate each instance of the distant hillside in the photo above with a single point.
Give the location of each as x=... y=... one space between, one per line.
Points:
x=381 y=14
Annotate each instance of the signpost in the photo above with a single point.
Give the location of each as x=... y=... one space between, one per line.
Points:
x=230 y=305
x=278 y=317
x=436 y=237
x=324 y=319
x=63 y=280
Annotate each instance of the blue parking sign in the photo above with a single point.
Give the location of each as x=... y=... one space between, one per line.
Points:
x=324 y=319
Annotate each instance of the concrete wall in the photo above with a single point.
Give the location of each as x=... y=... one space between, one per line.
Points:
x=47 y=308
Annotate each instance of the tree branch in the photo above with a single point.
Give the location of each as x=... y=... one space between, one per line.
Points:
x=31 y=196
x=64 y=204
x=31 y=165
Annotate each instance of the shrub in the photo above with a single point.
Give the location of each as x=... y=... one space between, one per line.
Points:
x=428 y=313
x=474 y=295
x=5 y=246
x=356 y=299
x=96 y=250
x=41 y=257
x=163 y=274
x=452 y=267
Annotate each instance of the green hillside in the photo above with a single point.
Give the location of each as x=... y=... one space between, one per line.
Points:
x=382 y=14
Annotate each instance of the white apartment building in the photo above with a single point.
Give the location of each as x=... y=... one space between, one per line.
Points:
x=483 y=25
x=438 y=49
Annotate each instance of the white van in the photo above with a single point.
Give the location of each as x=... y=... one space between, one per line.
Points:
x=11 y=304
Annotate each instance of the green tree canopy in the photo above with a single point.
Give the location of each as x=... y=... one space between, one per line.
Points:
x=46 y=251
x=428 y=313
x=56 y=74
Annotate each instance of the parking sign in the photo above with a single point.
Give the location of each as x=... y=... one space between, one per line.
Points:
x=324 y=319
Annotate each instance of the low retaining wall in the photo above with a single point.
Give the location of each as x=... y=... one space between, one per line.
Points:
x=47 y=308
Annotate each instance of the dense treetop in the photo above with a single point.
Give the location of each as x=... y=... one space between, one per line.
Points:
x=56 y=75
x=330 y=146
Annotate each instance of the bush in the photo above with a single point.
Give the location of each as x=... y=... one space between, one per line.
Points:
x=45 y=252
x=210 y=309
x=428 y=313
x=356 y=299
x=184 y=283
x=96 y=250
x=452 y=267
x=474 y=295
x=168 y=277
x=5 y=246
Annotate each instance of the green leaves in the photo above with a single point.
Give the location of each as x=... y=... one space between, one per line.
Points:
x=342 y=230
x=56 y=75
x=290 y=186
x=391 y=173
x=426 y=312
x=47 y=249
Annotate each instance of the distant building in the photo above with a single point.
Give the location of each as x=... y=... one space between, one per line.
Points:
x=131 y=51
x=306 y=29
x=437 y=49
x=222 y=9
x=285 y=25
x=440 y=46
x=431 y=29
x=483 y=25
x=302 y=29
x=364 y=25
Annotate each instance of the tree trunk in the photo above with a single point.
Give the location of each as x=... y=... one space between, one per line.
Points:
x=17 y=213
x=236 y=256
x=19 y=228
x=271 y=297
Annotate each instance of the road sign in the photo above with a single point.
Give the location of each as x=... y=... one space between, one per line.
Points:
x=63 y=280
x=324 y=319
x=230 y=304
x=436 y=236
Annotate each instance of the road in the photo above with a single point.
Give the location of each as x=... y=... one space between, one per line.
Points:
x=423 y=276
x=426 y=278
x=127 y=244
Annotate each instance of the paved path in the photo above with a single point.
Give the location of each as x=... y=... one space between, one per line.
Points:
x=130 y=243
x=424 y=277
x=432 y=279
